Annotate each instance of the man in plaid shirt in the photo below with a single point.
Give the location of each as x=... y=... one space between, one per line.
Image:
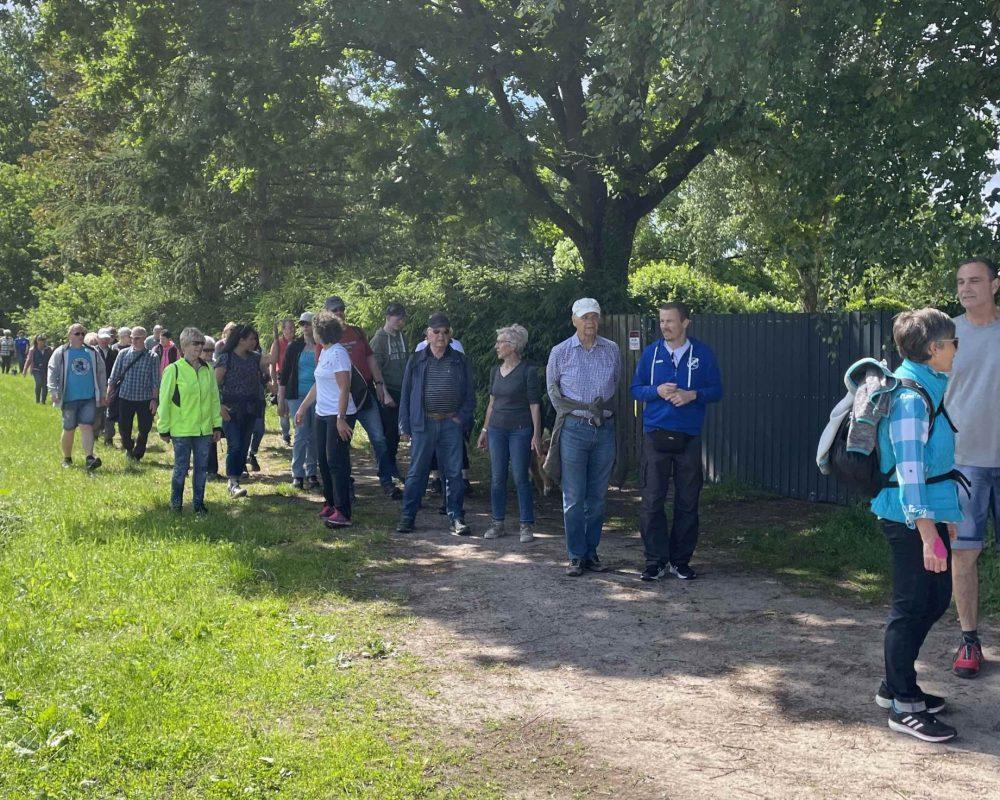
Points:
x=138 y=396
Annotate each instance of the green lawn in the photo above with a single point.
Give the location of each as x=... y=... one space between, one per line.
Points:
x=145 y=655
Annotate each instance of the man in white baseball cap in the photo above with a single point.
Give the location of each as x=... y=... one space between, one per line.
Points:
x=582 y=378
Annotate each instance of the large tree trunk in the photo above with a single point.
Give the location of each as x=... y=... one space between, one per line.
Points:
x=606 y=247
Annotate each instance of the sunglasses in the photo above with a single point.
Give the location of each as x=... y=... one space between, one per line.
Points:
x=77 y=333
x=955 y=340
x=304 y=323
x=441 y=330
x=197 y=343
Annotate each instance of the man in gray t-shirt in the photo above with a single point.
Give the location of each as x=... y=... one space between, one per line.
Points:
x=971 y=401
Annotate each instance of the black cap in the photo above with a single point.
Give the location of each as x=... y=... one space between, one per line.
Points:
x=395 y=310
x=334 y=303
x=438 y=320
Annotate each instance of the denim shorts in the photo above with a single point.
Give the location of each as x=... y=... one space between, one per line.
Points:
x=985 y=495
x=78 y=412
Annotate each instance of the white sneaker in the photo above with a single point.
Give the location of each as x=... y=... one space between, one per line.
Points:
x=526 y=534
x=235 y=490
x=495 y=531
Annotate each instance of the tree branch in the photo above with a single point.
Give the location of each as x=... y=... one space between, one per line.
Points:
x=660 y=152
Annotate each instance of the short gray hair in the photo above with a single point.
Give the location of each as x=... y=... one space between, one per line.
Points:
x=188 y=334
x=517 y=334
x=913 y=332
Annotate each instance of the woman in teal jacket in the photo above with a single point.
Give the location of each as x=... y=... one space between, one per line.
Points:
x=918 y=516
x=190 y=417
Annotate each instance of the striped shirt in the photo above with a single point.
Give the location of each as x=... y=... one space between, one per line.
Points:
x=440 y=391
x=142 y=381
x=585 y=375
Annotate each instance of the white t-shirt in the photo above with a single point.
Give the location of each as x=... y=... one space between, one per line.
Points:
x=455 y=345
x=331 y=361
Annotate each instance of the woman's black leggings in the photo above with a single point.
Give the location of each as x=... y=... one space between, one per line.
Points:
x=41 y=387
x=333 y=455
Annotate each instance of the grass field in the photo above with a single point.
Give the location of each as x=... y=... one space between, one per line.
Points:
x=145 y=655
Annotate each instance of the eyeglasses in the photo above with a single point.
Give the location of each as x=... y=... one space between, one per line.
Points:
x=77 y=333
x=198 y=343
x=303 y=322
x=440 y=331
x=955 y=340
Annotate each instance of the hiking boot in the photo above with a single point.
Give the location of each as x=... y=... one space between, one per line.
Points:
x=67 y=462
x=968 y=660
x=298 y=483
x=235 y=490
x=653 y=572
x=922 y=725
x=594 y=564
x=495 y=531
x=92 y=463
x=287 y=440
x=684 y=572
x=405 y=525
x=254 y=463
x=392 y=491
x=459 y=528
x=883 y=699
x=575 y=568
x=313 y=482
x=526 y=534
x=337 y=520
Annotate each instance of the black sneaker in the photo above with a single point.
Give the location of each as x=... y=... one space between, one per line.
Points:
x=254 y=463
x=200 y=510
x=922 y=725
x=287 y=440
x=684 y=572
x=575 y=568
x=594 y=564
x=392 y=491
x=883 y=699
x=298 y=483
x=92 y=463
x=405 y=525
x=434 y=487
x=467 y=487
x=653 y=572
x=67 y=462
x=313 y=483
x=459 y=528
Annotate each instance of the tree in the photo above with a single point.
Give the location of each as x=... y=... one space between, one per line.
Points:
x=601 y=109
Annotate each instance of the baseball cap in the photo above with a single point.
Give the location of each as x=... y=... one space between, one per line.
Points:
x=306 y=316
x=586 y=305
x=105 y=333
x=334 y=303
x=395 y=310
x=438 y=320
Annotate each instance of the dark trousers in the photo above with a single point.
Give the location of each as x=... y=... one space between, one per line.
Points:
x=128 y=410
x=919 y=599
x=333 y=455
x=656 y=472
x=238 y=431
x=5 y=364
x=41 y=386
x=213 y=458
x=390 y=426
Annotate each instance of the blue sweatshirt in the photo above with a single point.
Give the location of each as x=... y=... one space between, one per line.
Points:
x=697 y=370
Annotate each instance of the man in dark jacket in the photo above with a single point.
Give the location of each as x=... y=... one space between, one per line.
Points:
x=676 y=378
x=435 y=410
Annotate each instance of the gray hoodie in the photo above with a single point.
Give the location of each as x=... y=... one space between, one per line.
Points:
x=58 y=366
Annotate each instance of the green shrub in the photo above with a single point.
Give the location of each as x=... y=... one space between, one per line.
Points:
x=879 y=303
x=661 y=281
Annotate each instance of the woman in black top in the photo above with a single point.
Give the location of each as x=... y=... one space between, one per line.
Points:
x=37 y=362
x=512 y=429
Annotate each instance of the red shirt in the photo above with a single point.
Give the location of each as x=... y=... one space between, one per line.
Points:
x=356 y=344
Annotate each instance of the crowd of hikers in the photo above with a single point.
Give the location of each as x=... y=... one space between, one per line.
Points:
x=927 y=431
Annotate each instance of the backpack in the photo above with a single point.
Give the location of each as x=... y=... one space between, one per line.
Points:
x=861 y=472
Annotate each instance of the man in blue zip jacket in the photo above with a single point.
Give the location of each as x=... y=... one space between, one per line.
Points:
x=676 y=378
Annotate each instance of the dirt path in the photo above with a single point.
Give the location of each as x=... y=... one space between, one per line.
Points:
x=729 y=686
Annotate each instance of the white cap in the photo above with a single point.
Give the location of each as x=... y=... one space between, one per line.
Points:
x=306 y=316
x=105 y=333
x=585 y=305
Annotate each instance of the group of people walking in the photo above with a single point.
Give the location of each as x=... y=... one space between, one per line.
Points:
x=327 y=377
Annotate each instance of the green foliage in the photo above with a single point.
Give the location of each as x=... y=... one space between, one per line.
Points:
x=880 y=303
x=87 y=299
x=660 y=282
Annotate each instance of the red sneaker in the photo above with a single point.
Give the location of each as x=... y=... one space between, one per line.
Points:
x=336 y=520
x=327 y=511
x=968 y=660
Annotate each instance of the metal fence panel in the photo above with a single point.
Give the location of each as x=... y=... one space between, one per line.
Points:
x=782 y=373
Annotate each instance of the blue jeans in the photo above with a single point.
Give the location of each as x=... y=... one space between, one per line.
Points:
x=304 y=444
x=511 y=447
x=985 y=497
x=587 y=454
x=369 y=417
x=444 y=437
x=184 y=447
x=238 y=432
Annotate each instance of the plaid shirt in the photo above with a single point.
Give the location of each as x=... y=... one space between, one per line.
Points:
x=584 y=375
x=142 y=381
x=909 y=427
